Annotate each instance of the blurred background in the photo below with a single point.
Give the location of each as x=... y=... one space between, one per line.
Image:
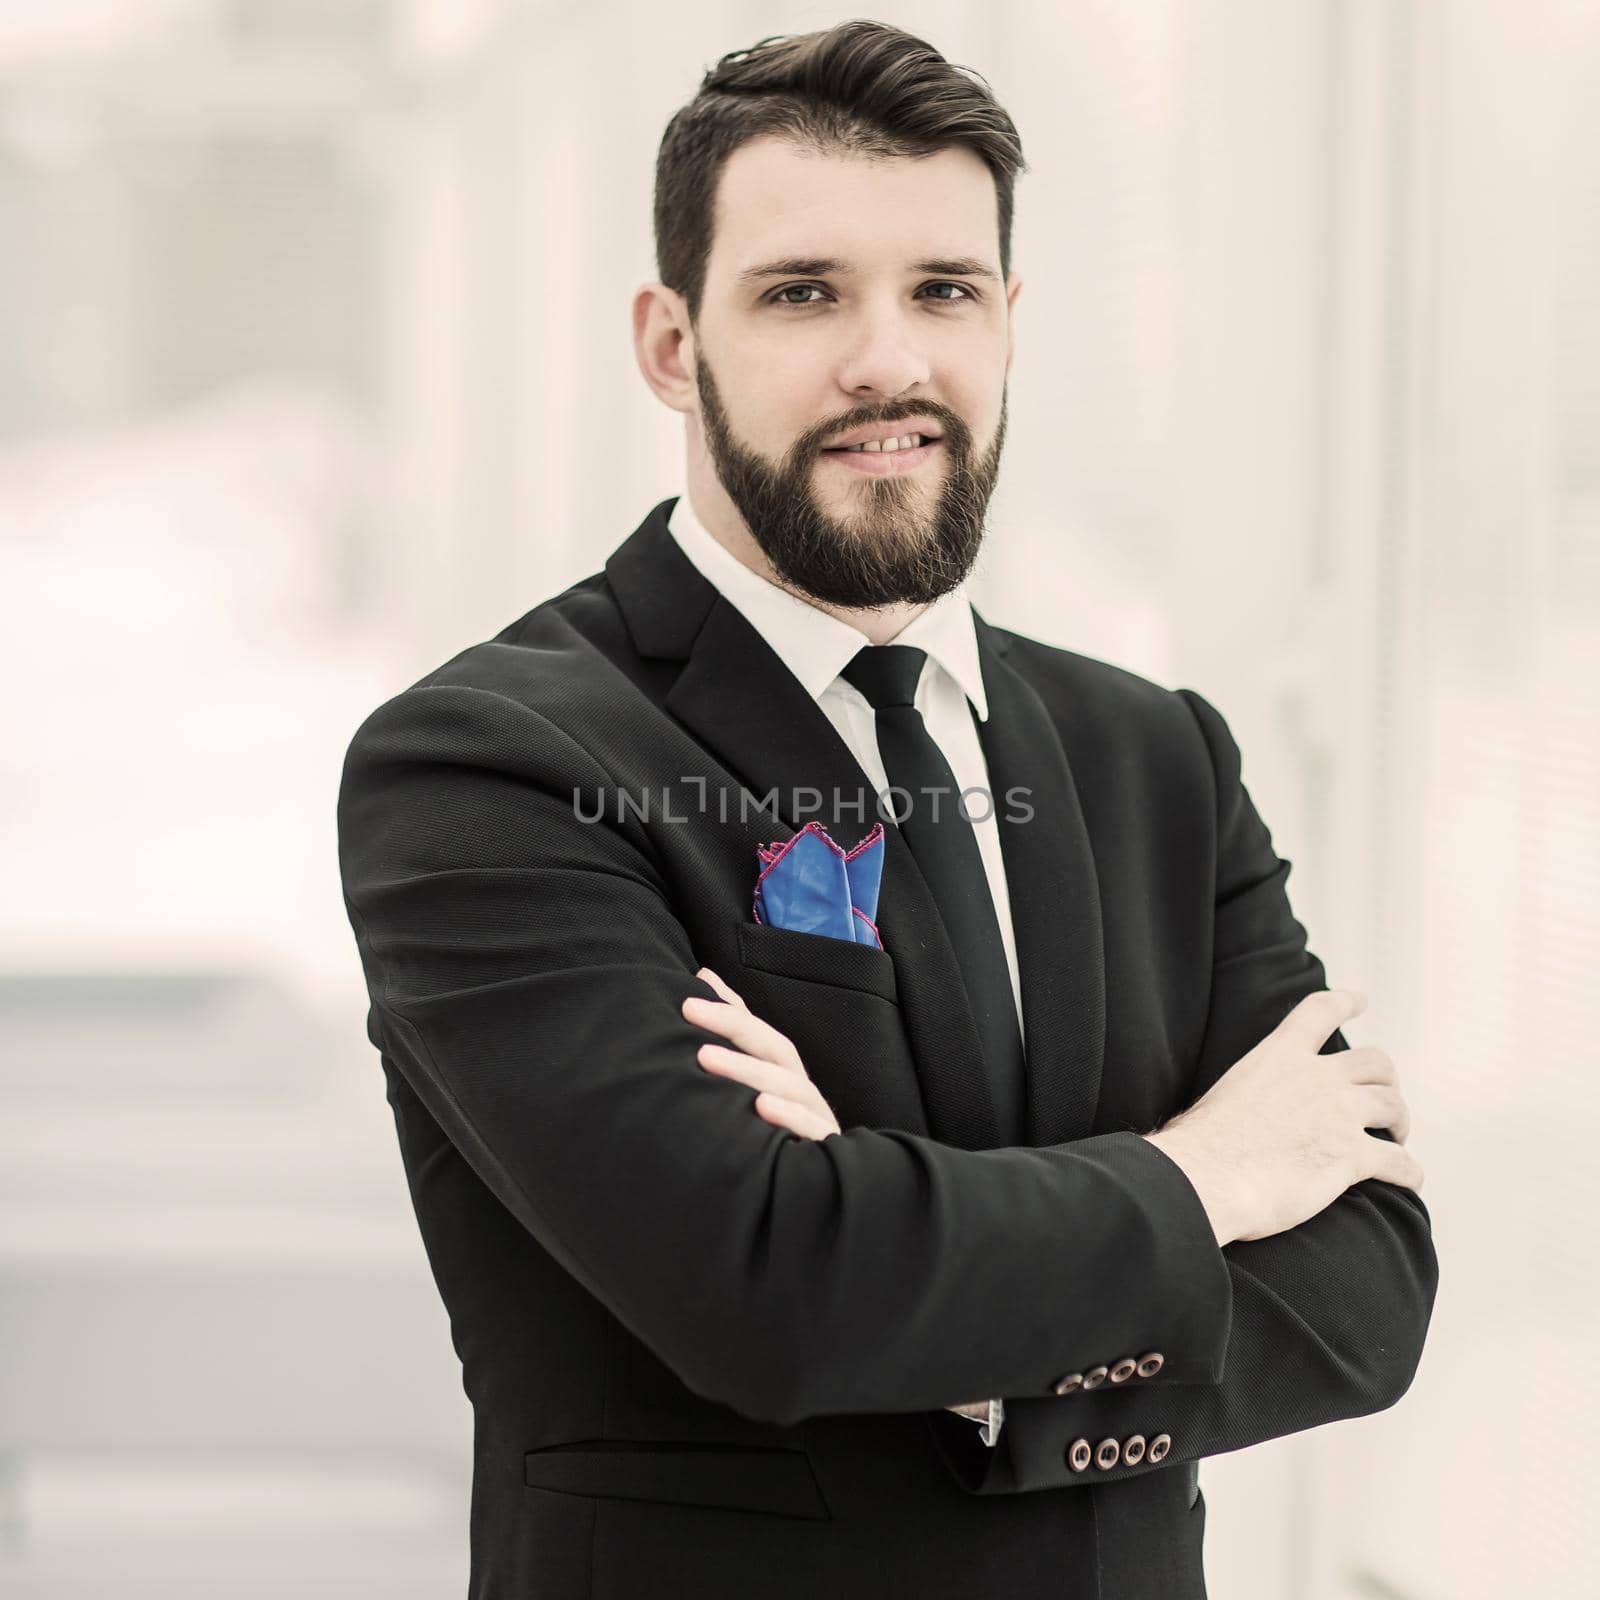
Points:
x=315 y=368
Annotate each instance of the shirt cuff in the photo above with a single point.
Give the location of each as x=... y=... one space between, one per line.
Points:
x=990 y=1425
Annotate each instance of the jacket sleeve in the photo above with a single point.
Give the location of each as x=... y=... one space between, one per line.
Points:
x=526 y=969
x=1329 y=1317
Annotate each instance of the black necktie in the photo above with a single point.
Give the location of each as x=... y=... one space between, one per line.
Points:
x=946 y=850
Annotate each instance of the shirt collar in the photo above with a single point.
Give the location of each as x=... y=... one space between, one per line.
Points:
x=815 y=646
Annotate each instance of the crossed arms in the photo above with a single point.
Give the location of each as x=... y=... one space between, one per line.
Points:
x=527 y=973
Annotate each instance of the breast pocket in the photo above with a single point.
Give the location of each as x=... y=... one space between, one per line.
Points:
x=817 y=958
x=839 y=1003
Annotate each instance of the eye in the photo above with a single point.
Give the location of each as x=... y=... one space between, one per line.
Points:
x=967 y=293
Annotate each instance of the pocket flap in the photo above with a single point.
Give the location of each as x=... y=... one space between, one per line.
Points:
x=777 y=1482
x=788 y=953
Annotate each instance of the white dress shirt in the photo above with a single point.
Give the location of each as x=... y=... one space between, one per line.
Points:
x=816 y=647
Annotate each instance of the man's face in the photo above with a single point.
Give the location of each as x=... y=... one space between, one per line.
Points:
x=793 y=359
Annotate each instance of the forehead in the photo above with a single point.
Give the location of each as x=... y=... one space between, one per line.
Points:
x=775 y=198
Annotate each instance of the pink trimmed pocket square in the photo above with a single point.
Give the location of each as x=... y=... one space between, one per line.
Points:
x=810 y=884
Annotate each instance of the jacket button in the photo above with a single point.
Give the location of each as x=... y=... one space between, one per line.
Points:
x=1124 y=1370
x=1133 y=1449
x=1107 y=1455
x=1079 y=1455
x=1094 y=1377
x=1151 y=1364
x=1066 y=1385
x=1159 y=1447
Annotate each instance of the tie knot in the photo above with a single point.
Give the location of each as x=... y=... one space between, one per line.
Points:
x=887 y=674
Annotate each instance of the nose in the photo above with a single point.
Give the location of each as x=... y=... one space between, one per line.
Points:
x=883 y=362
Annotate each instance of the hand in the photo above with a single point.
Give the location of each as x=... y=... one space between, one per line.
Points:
x=765 y=1059
x=1282 y=1133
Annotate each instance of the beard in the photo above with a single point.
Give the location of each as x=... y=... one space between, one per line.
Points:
x=898 y=545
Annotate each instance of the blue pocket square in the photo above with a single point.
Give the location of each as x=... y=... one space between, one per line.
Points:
x=811 y=885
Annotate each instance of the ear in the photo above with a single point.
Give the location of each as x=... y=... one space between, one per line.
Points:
x=663 y=344
x=1013 y=289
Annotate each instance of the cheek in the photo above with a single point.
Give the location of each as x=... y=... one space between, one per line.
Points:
x=766 y=394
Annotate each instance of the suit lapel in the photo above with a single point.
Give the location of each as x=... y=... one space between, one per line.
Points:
x=1054 y=891
x=743 y=704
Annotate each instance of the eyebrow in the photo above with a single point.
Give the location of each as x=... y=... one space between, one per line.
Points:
x=821 y=266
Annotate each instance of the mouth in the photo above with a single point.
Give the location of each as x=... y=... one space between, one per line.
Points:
x=884 y=463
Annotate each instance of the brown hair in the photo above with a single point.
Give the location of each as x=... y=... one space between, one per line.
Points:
x=860 y=88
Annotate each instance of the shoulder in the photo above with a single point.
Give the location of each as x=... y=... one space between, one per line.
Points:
x=1109 y=713
x=1052 y=669
x=550 y=669
x=542 y=657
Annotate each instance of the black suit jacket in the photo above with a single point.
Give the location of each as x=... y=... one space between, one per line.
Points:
x=709 y=1358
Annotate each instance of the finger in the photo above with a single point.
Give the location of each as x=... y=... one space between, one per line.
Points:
x=1311 y=1022
x=1393 y=1163
x=736 y=1023
x=1366 y=1063
x=795 y=1117
x=1383 y=1107
x=751 y=1070
x=721 y=986
x=742 y=1028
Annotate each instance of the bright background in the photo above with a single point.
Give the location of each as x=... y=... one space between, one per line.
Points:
x=315 y=368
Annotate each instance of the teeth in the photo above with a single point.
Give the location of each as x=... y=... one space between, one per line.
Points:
x=909 y=442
